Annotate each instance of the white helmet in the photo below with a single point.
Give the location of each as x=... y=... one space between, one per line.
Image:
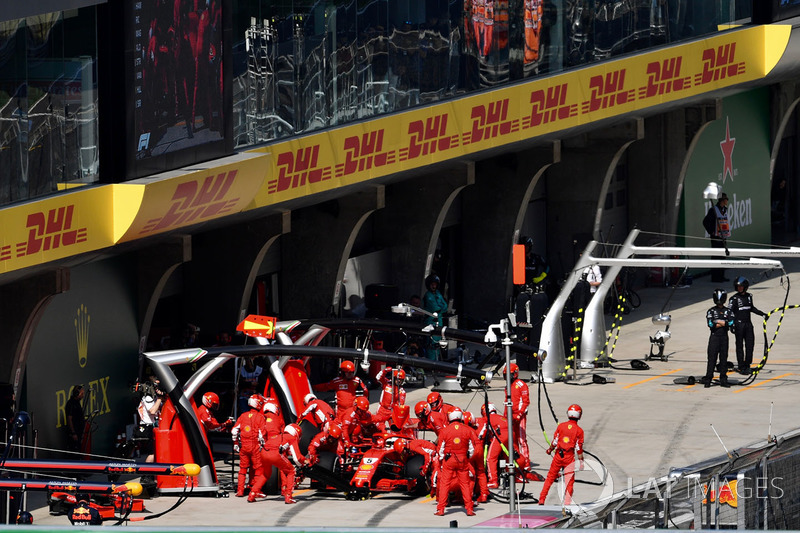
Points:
x=308 y=398
x=293 y=429
x=574 y=411
x=255 y=401
x=455 y=414
x=271 y=407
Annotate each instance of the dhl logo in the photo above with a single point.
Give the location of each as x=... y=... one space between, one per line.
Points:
x=428 y=137
x=47 y=231
x=548 y=106
x=295 y=169
x=489 y=121
x=363 y=153
x=193 y=201
x=664 y=77
x=718 y=64
x=607 y=91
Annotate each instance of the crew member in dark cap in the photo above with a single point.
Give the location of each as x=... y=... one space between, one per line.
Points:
x=742 y=306
x=718 y=227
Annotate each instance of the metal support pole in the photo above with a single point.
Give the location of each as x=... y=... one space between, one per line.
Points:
x=512 y=491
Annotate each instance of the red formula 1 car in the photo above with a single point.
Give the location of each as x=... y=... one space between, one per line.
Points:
x=369 y=467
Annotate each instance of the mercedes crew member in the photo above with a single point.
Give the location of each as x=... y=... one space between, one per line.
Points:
x=720 y=319
x=742 y=306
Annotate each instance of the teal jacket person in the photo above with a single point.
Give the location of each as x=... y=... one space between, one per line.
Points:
x=434 y=302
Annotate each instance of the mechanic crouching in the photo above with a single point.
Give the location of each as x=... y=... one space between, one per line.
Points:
x=455 y=448
x=357 y=423
x=327 y=440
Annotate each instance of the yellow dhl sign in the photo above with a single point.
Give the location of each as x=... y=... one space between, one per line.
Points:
x=458 y=128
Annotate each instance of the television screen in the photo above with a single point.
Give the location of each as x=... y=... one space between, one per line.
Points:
x=179 y=110
x=786 y=9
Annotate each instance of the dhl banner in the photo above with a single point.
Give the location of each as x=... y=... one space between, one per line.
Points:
x=55 y=228
x=458 y=128
x=192 y=197
x=92 y=218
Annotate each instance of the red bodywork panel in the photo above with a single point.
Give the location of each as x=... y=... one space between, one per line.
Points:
x=296 y=377
x=171 y=446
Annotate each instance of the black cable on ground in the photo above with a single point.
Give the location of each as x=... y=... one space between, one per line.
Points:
x=768 y=346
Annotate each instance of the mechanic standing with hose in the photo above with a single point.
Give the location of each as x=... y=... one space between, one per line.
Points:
x=567 y=441
x=455 y=448
x=742 y=305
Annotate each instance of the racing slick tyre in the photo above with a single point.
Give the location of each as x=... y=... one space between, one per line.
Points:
x=413 y=467
x=273 y=484
x=327 y=460
x=309 y=432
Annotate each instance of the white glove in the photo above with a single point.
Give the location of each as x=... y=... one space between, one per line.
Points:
x=236 y=448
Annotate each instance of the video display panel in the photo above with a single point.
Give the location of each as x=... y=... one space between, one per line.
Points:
x=180 y=109
x=787 y=9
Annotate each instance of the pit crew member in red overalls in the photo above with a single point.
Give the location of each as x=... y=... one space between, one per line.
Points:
x=520 y=400
x=438 y=404
x=405 y=448
x=567 y=441
x=478 y=460
x=248 y=436
x=291 y=451
x=272 y=455
x=316 y=408
x=391 y=395
x=455 y=448
x=347 y=387
x=327 y=440
x=497 y=441
x=358 y=423
x=429 y=420
x=207 y=418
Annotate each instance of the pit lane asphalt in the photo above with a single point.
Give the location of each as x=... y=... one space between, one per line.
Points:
x=639 y=426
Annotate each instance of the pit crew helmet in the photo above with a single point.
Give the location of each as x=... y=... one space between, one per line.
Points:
x=400 y=445
x=399 y=376
x=347 y=366
x=491 y=409
x=435 y=401
x=256 y=401
x=469 y=419
x=362 y=404
x=433 y=278
x=422 y=408
x=514 y=370
x=720 y=296
x=574 y=412
x=270 y=407
x=293 y=429
x=455 y=414
x=743 y=281
x=211 y=400
x=335 y=431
